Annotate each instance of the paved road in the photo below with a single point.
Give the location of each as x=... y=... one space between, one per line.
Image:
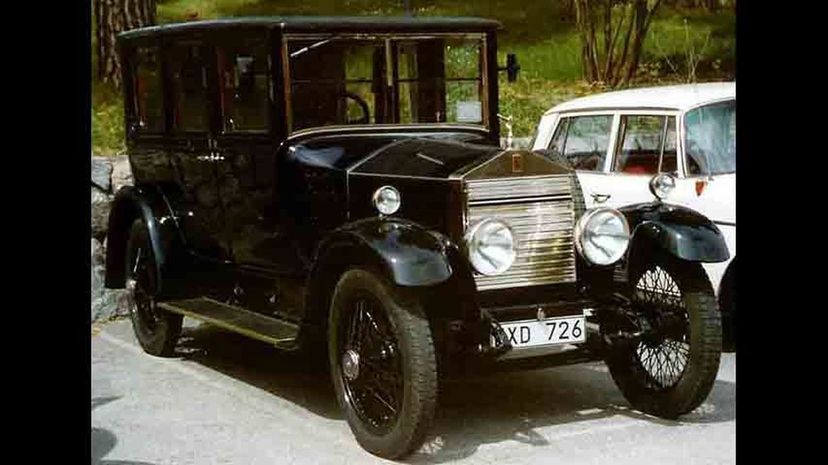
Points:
x=229 y=400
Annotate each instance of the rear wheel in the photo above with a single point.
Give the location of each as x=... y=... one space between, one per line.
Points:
x=672 y=368
x=156 y=330
x=382 y=363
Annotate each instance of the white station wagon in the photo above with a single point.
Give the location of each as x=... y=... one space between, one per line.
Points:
x=615 y=141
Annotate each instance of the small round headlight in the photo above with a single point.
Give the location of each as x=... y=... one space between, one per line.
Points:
x=491 y=246
x=661 y=185
x=387 y=200
x=602 y=236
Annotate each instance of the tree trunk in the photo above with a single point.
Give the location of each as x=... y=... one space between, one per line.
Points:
x=609 y=60
x=111 y=18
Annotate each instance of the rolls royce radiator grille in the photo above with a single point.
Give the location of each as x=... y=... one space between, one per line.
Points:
x=540 y=211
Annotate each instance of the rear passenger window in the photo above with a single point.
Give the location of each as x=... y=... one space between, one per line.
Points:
x=149 y=102
x=244 y=87
x=642 y=139
x=188 y=72
x=583 y=140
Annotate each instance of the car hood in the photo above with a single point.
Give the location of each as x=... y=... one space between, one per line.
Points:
x=442 y=159
x=424 y=158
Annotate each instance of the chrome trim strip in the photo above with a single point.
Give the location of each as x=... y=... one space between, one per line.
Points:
x=517 y=200
x=427 y=158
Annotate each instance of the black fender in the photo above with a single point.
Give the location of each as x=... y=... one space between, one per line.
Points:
x=408 y=254
x=129 y=204
x=679 y=231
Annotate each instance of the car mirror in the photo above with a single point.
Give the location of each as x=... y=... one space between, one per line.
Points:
x=512 y=67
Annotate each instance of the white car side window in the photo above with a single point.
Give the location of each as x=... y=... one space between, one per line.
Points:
x=583 y=140
x=641 y=141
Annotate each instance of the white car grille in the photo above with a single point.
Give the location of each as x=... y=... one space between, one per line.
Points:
x=540 y=211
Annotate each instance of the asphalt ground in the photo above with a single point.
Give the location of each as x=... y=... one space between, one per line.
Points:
x=225 y=399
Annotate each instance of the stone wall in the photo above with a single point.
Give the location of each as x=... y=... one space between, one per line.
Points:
x=108 y=175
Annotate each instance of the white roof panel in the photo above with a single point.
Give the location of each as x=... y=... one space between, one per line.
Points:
x=678 y=97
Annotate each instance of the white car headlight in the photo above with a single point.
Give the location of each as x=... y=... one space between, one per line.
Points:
x=387 y=200
x=491 y=246
x=602 y=236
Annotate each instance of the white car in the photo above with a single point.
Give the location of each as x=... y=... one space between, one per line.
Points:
x=615 y=141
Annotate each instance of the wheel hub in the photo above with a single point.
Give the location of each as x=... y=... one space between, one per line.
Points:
x=350 y=364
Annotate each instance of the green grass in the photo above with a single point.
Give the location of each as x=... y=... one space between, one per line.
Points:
x=543 y=38
x=107 y=120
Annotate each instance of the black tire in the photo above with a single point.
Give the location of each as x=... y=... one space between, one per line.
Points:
x=373 y=319
x=697 y=326
x=156 y=330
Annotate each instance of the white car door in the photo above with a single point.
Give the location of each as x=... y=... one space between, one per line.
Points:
x=708 y=162
x=634 y=157
x=584 y=139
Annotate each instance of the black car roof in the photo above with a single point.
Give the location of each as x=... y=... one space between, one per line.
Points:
x=326 y=23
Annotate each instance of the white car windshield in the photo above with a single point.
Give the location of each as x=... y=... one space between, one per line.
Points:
x=710 y=138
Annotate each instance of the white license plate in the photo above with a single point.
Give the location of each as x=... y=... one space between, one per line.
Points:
x=560 y=330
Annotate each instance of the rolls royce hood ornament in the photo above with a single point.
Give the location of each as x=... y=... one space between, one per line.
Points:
x=507 y=120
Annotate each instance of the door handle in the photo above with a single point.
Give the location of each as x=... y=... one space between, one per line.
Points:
x=600 y=198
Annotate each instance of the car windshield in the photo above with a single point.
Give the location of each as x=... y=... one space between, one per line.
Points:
x=710 y=138
x=374 y=79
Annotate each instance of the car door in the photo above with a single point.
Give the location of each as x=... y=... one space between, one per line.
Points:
x=639 y=140
x=708 y=160
x=584 y=140
x=191 y=148
x=246 y=166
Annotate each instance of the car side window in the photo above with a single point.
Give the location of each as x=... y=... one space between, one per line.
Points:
x=641 y=140
x=244 y=85
x=583 y=140
x=149 y=101
x=188 y=72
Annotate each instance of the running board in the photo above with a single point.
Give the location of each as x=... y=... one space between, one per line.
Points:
x=281 y=334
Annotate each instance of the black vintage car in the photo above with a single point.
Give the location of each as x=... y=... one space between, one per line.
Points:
x=336 y=186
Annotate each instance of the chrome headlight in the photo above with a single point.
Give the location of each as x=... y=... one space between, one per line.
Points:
x=491 y=246
x=387 y=200
x=602 y=236
x=661 y=185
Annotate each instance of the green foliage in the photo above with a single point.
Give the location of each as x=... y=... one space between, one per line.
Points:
x=539 y=32
x=680 y=42
x=107 y=120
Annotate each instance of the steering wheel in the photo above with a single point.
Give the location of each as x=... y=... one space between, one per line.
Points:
x=363 y=105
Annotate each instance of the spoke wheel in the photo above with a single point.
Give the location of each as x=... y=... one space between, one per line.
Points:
x=665 y=350
x=382 y=361
x=672 y=368
x=156 y=330
x=371 y=366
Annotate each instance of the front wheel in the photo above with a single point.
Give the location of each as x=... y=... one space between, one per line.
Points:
x=671 y=369
x=382 y=362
